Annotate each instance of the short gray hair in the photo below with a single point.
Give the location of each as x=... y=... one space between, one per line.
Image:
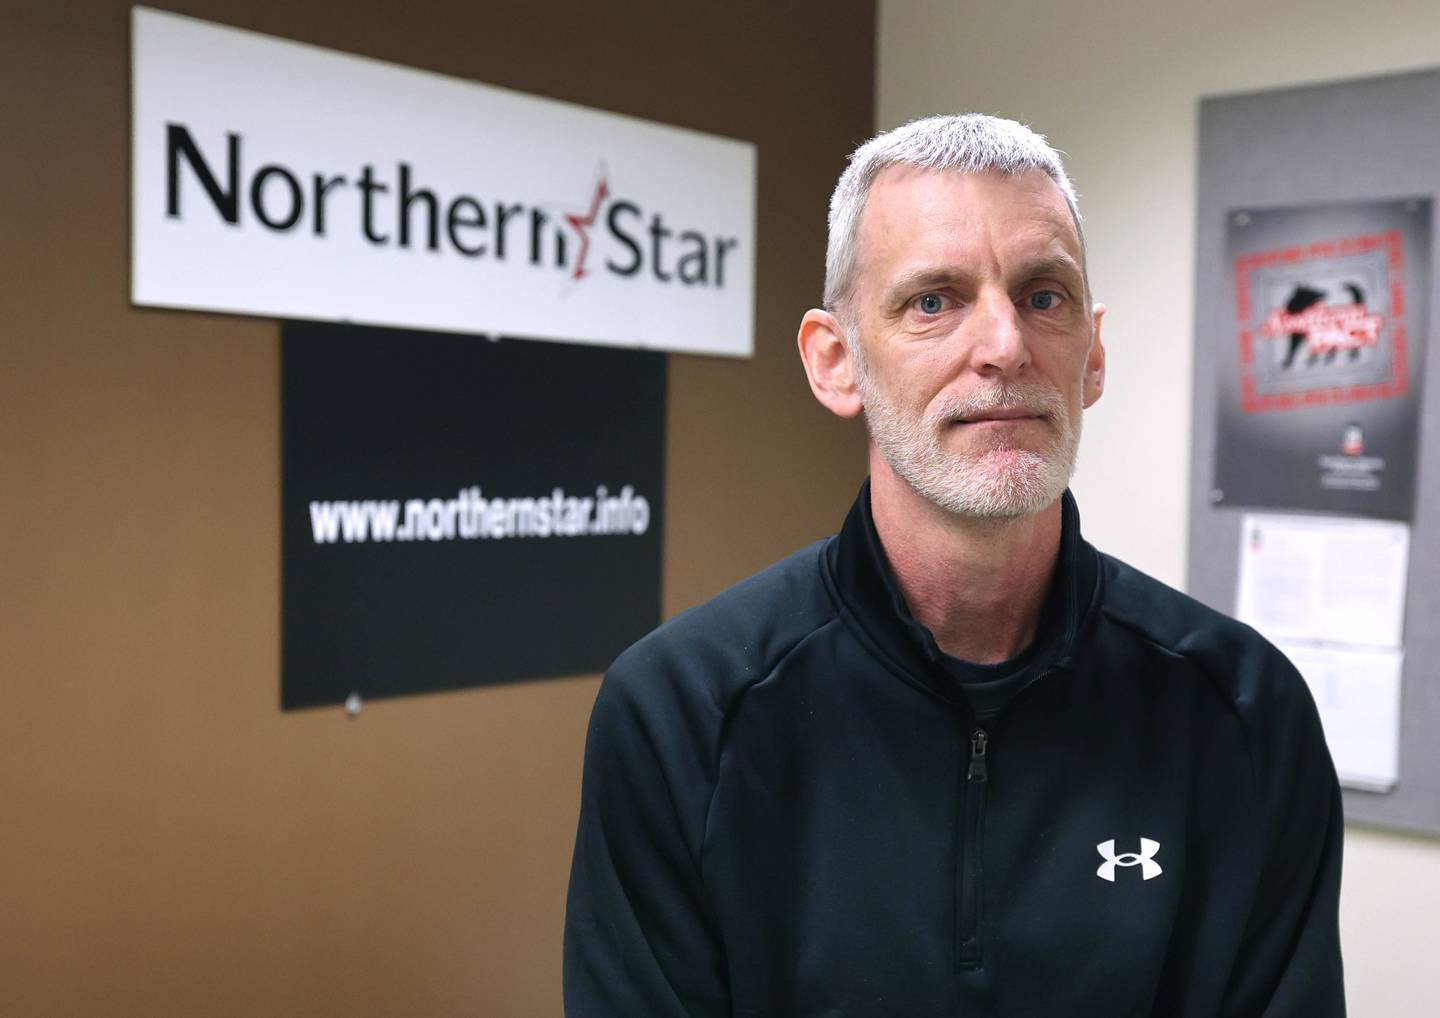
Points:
x=964 y=143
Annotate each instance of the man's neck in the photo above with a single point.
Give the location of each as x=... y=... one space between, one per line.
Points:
x=977 y=584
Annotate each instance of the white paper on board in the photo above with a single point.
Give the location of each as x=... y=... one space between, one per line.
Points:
x=1358 y=693
x=1322 y=578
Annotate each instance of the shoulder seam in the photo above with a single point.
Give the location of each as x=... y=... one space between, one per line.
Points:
x=1229 y=701
x=727 y=712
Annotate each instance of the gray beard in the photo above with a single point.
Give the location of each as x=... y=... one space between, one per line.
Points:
x=1000 y=482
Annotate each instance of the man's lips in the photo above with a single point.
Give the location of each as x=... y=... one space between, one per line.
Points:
x=1001 y=415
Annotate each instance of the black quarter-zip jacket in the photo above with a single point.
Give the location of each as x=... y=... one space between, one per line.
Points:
x=794 y=805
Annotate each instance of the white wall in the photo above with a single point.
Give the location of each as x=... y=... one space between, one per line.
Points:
x=1116 y=86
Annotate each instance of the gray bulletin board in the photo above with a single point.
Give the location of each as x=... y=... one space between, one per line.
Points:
x=1361 y=141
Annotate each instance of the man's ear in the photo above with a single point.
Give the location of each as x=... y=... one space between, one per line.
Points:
x=1095 y=361
x=828 y=364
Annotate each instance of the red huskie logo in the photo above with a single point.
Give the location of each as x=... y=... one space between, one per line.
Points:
x=1352 y=442
x=1308 y=326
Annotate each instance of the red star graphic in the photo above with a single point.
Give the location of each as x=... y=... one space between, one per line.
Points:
x=582 y=223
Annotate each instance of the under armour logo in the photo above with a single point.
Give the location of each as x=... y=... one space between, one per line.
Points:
x=1145 y=859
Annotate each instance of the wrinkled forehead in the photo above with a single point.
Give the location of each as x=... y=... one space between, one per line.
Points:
x=910 y=208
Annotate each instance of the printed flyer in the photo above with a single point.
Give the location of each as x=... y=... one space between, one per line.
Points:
x=1320 y=379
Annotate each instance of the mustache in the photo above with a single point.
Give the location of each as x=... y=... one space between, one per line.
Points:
x=1031 y=397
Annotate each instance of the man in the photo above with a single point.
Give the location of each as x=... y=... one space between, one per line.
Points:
x=954 y=761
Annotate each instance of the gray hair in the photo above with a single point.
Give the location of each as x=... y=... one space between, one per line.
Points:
x=964 y=143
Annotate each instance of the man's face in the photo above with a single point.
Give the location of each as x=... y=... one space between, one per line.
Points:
x=978 y=350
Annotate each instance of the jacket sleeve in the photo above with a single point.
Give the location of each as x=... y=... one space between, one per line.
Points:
x=640 y=933
x=1289 y=963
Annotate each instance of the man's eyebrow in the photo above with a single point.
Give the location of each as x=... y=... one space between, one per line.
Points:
x=921 y=279
x=1051 y=265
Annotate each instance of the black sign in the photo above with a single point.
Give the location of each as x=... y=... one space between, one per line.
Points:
x=460 y=512
x=1320 y=379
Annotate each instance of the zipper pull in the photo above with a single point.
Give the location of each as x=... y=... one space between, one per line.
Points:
x=979 y=741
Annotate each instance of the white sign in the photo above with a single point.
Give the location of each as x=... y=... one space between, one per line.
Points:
x=1323 y=578
x=1357 y=690
x=275 y=178
x=1330 y=592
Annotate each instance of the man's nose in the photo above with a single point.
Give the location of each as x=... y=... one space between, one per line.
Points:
x=996 y=341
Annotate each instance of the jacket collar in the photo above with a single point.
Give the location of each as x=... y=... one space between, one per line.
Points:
x=861 y=578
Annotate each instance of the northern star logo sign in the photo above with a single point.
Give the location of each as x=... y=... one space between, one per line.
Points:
x=400 y=211
x=408 y=199
x=1145 y=859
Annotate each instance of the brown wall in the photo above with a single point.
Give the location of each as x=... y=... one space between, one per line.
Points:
x=170 y=842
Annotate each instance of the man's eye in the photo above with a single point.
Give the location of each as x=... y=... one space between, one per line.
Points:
x=1044 y=300
x=930 y=304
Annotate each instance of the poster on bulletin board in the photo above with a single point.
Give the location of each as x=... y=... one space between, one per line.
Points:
x=1320 y=380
